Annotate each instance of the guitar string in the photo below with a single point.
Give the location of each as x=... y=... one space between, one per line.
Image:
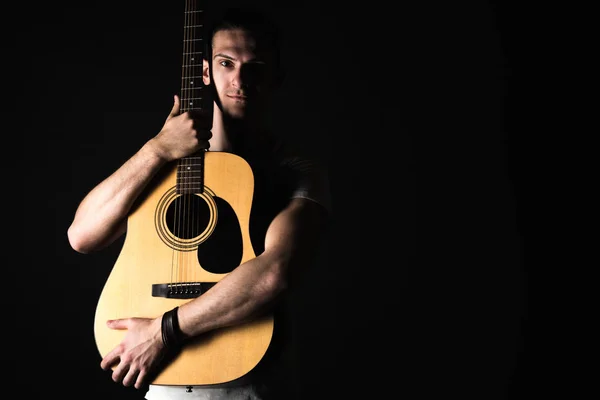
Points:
x=194 y=225
x=189 y=163
x=181 y=177
x=198 y=89
x=191 y=220
x=186 y=160
x=193 y=205
x=198 y=86
x=193 y=56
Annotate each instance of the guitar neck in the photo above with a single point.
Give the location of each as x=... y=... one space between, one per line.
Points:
x=194 y=96
x=193 y=92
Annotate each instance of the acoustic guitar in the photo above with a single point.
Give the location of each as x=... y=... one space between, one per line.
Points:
x=188 y=231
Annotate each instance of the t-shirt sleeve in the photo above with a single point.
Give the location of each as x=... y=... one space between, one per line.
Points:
x=311 y=180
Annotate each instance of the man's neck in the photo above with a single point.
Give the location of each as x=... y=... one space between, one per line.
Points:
x=233 y=136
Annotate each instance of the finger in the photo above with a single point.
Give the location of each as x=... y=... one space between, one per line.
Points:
x=141 y=378
x=118 y=323
x=202 y=119
x=111 y=359
x=175 y=109
x=130 y=378
x=119 y=372
x=204 y=144
x=203 y=134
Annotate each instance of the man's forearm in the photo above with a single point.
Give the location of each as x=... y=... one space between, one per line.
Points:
x=101 y=214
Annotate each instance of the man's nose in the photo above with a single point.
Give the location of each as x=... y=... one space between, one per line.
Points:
x=237 y=80
x=244 y=77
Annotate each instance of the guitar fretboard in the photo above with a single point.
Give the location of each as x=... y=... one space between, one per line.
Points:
x=190 y=170
x=190 y=174
x=192 y=87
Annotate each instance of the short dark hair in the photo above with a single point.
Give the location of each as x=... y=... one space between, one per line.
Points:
x=257 y=22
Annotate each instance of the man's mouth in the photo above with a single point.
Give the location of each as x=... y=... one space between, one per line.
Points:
x=237 y=97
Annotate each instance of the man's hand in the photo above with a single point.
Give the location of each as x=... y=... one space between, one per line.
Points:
x=139 y=354
x=182 y=134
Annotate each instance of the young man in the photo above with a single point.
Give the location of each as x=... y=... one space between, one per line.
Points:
x=289 y=213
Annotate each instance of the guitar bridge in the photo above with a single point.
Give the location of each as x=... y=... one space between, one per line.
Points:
x=184 y=290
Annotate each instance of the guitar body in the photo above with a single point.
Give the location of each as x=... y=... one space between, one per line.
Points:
x=177 y=242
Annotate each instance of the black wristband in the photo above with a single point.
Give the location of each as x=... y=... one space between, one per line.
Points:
x=171 y=333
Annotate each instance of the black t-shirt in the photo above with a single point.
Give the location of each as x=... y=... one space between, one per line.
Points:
x=280 y=175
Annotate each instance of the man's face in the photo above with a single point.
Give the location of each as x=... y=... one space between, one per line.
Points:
x=242 y=76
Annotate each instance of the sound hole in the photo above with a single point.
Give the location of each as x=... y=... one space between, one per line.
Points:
x=187 y=216
x=223 y=251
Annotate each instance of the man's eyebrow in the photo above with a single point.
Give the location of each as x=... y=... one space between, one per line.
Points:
x=224 y=56
x=253 y=61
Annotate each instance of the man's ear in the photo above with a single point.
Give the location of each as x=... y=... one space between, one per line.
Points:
x=205 y=73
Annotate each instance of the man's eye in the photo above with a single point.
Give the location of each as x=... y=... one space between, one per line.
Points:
x=225 y=63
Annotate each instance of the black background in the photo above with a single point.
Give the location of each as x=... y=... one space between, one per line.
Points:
x=422 y=286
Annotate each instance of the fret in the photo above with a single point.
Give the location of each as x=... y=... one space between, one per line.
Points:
x=191 y=88
x=190 y=166
x=190 y=81
x=190 y=85
x=183 y=188
x=192 y=159
x=190 y=174
x=185 y=169
x=190 y=182
x=188 y=77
